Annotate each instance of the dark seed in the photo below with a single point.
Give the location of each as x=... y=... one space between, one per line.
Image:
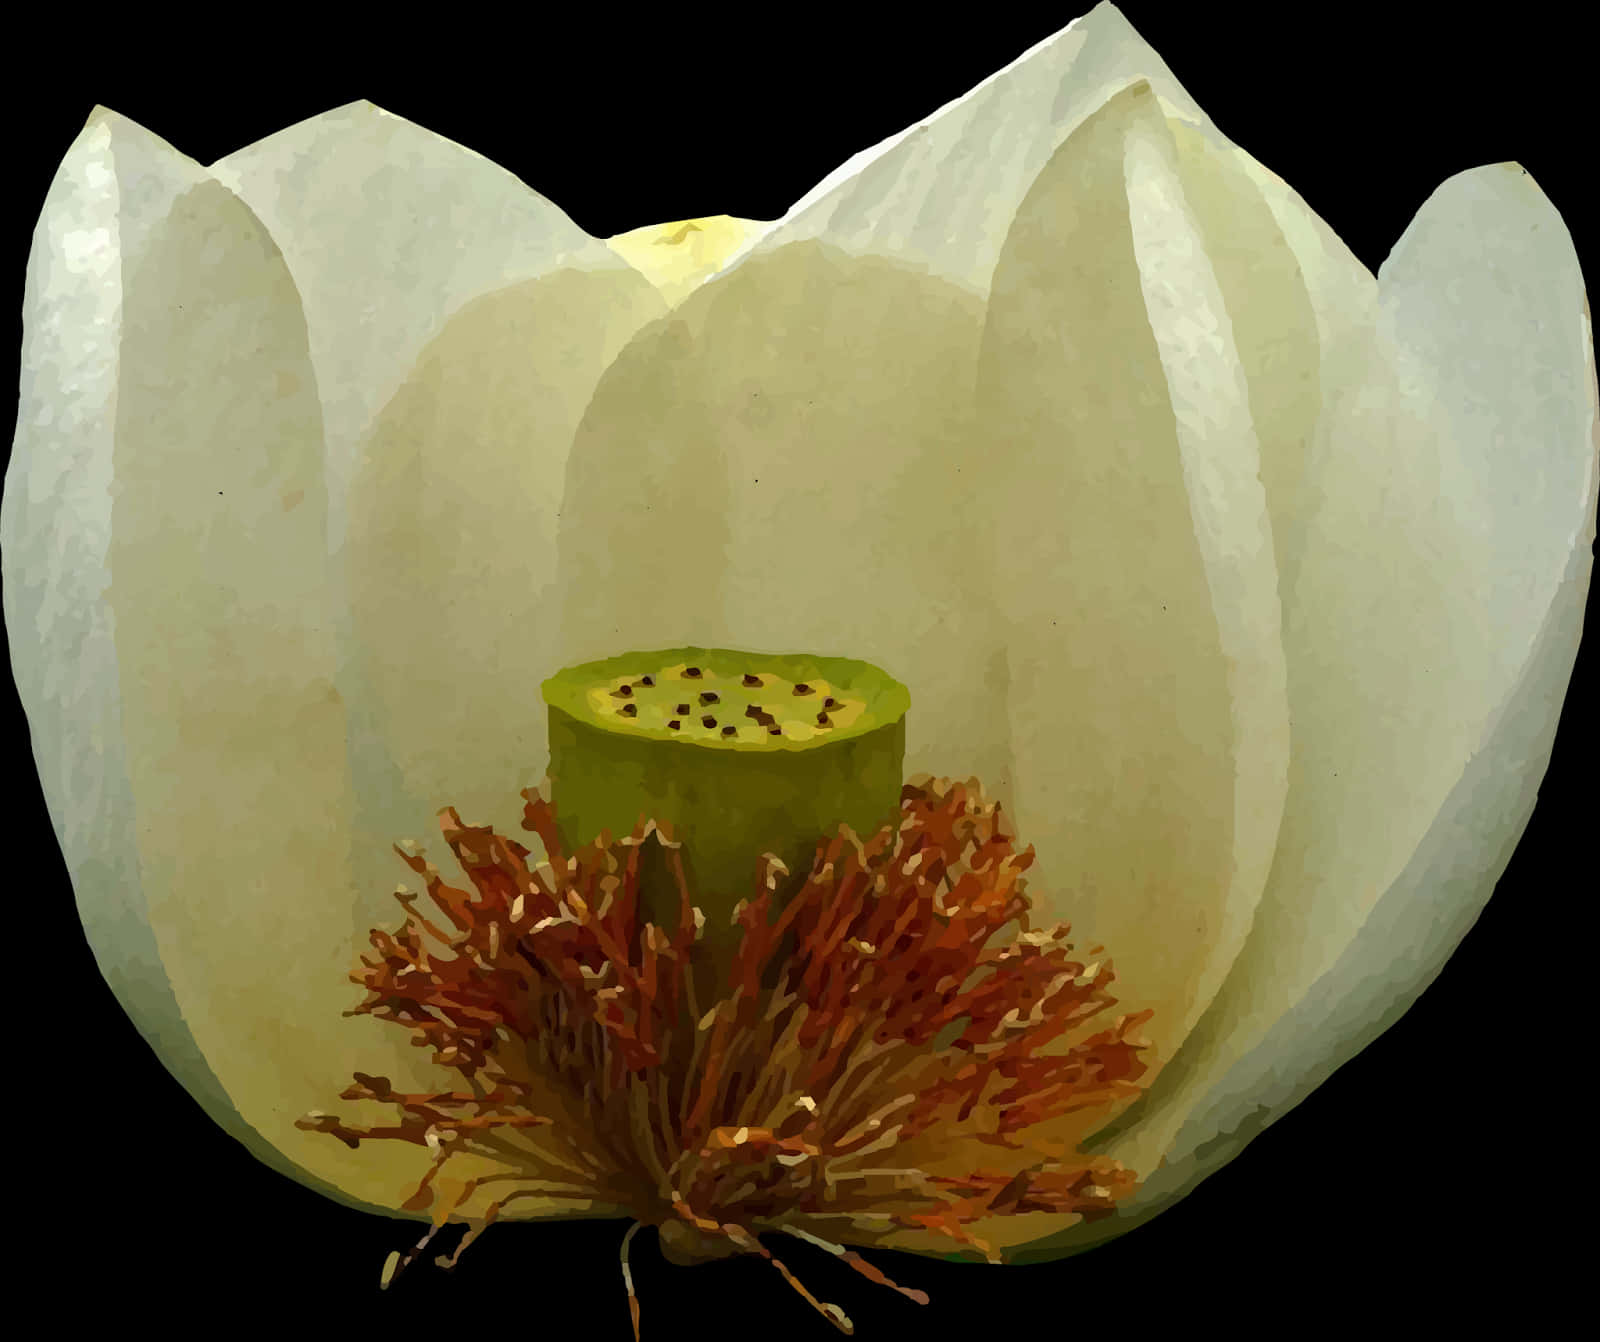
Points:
x=693 y=672
x=774 y=731
x=630 y=710
x=751 y=679
x=830 y=702
x=681 y=708
x=802 y=688
x=647 y=681
x=708 y=721
x=710 y=697
x=823 y=720
x=626 y=692
x=729 y=731
x=674 y=724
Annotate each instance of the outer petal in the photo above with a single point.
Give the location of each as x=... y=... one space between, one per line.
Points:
x=1135 y=566
x=941 y=195
x=56 y=529
x=458 y=321
x=171 y=633
x=388 y=229
x=1430 y=659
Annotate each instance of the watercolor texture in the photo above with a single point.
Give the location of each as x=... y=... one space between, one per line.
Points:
x=1246 y=583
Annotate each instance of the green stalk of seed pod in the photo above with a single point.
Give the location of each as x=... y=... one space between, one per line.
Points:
x=739 y=753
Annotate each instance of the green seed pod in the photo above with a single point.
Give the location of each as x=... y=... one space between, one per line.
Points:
x=755 y=765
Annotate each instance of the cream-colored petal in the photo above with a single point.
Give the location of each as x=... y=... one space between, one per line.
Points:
x=450 y=557
x=164 y=547
x=1297 y=303
x=697 y=433
x=1277 y=273
x=678 y=256
x=941 y=194
x=787 y=464
x=1135 y=567
x=55 y=530
x=1436 y=617
x=458 y=322
x=388 y=229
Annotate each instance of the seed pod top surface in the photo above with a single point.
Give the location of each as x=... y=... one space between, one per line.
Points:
x=723 y=700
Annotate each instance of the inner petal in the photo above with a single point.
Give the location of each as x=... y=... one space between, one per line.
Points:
x=675 y=257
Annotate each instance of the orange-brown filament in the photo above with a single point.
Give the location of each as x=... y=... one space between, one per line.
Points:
x=899 y=991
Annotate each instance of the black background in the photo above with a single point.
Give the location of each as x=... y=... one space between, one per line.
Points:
x=1428 y=1183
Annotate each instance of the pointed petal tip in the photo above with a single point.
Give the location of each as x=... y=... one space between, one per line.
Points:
x=1483 y=193
x=1507 y=174
x=363 y=106
x=113 y=121
x=104 y=127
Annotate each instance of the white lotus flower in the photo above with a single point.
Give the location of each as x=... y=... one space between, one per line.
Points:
x=1249 y=582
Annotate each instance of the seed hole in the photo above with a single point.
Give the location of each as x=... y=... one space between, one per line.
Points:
x=674 y=725
x=708 y=721
x=729 y=731
x=823 y=720
x=803 y=688
x=750 y=679
x=630 y=710
x=830 y=702
x=626 y=692
x=647 y=681
x=682 y=708
x=774 y=731
x=692 y=672
x=710 y=697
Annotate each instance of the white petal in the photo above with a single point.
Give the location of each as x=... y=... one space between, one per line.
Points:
x=787 y=465
x=165 y=543
x=1438 y=609
x=681 y=254
x=802 y=422
x=941 y=194
x=458 y=322
x=387 y=229
x=56 y=528
x=1134 y=566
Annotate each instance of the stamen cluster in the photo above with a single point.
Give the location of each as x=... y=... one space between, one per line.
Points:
x=897 y=996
